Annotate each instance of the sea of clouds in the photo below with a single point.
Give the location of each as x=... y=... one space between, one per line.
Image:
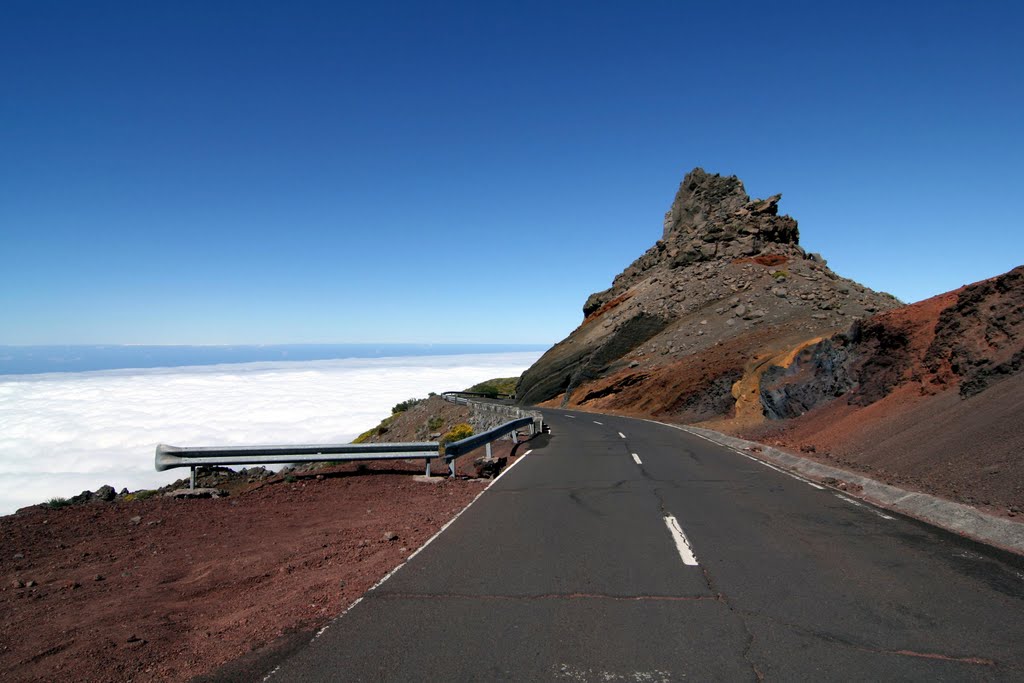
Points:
x=63 y=433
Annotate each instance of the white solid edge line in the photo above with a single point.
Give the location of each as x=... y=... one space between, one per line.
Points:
x=859 y=504
x=622 y=435
x=637 y=458
x=866 y=506
x=745 y=455
x=851 y=501
x=780 y=470
x=682 y=544
x=503 y=473
x=414 y=554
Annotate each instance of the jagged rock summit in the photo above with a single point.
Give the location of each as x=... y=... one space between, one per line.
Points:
x=711 y=217
x=726 y=286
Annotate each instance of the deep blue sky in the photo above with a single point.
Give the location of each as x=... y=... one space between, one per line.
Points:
x=261 y=172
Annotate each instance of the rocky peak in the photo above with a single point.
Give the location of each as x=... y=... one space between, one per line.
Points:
x=713 y=208
x=711 y=218
x=728 y=273
x=701 y=198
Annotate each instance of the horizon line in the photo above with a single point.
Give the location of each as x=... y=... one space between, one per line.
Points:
x=266 y=344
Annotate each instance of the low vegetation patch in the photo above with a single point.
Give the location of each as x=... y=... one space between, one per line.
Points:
x=406 y=404
x=142 y=494
x=495 y=387
x=379 y=430
x=456 y=433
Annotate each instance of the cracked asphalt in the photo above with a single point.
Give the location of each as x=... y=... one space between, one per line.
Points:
x=565 y=569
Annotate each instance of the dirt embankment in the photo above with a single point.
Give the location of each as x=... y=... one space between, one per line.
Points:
x=166 y=590
x=928 y=396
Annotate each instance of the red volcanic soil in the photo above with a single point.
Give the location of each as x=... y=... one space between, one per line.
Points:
x=693 y=388
x=967 y=450
x=165 y=589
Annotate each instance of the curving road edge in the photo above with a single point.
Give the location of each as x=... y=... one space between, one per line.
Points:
x=961 y=519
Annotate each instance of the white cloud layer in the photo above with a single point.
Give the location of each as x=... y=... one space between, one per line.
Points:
x=63 y=433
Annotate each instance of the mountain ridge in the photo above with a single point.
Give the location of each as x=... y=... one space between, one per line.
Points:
x=726 y=267
x=727 y=323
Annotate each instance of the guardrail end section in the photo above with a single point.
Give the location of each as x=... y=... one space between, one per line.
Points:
x=165 y=456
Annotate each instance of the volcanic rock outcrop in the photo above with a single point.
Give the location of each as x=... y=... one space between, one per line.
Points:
x=970 y=340
x=928 y=396
x=726 y=289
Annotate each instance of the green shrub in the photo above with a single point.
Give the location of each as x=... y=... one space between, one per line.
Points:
x=779 y=274
x=406 y=404
x=141 y=494
x=435 y=422
x=57 y=502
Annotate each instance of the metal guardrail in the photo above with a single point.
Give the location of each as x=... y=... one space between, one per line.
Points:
x=477 y=394
x=169 y=457
x=471 y=443
x=492 y=406
x=455 y=397
x=520 y=418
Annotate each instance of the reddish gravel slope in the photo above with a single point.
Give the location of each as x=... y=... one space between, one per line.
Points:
x=935 y=399
x=166 y=590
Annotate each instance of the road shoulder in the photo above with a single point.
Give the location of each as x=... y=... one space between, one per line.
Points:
x=959 y=519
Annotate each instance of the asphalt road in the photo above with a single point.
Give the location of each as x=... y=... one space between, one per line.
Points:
x=624 y=550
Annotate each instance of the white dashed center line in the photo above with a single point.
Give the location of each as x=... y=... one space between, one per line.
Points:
x=682 y=544
x=571 y=417
x=598 y=423
x=622 y=435
x=637 y=459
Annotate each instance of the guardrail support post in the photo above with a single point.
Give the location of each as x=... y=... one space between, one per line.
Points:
x=192 y=479
x=428 y=467
x=488 y=447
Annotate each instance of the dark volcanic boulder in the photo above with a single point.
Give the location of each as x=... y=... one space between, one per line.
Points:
x=980 y=339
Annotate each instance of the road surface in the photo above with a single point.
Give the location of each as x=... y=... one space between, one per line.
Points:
x=626 y=550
